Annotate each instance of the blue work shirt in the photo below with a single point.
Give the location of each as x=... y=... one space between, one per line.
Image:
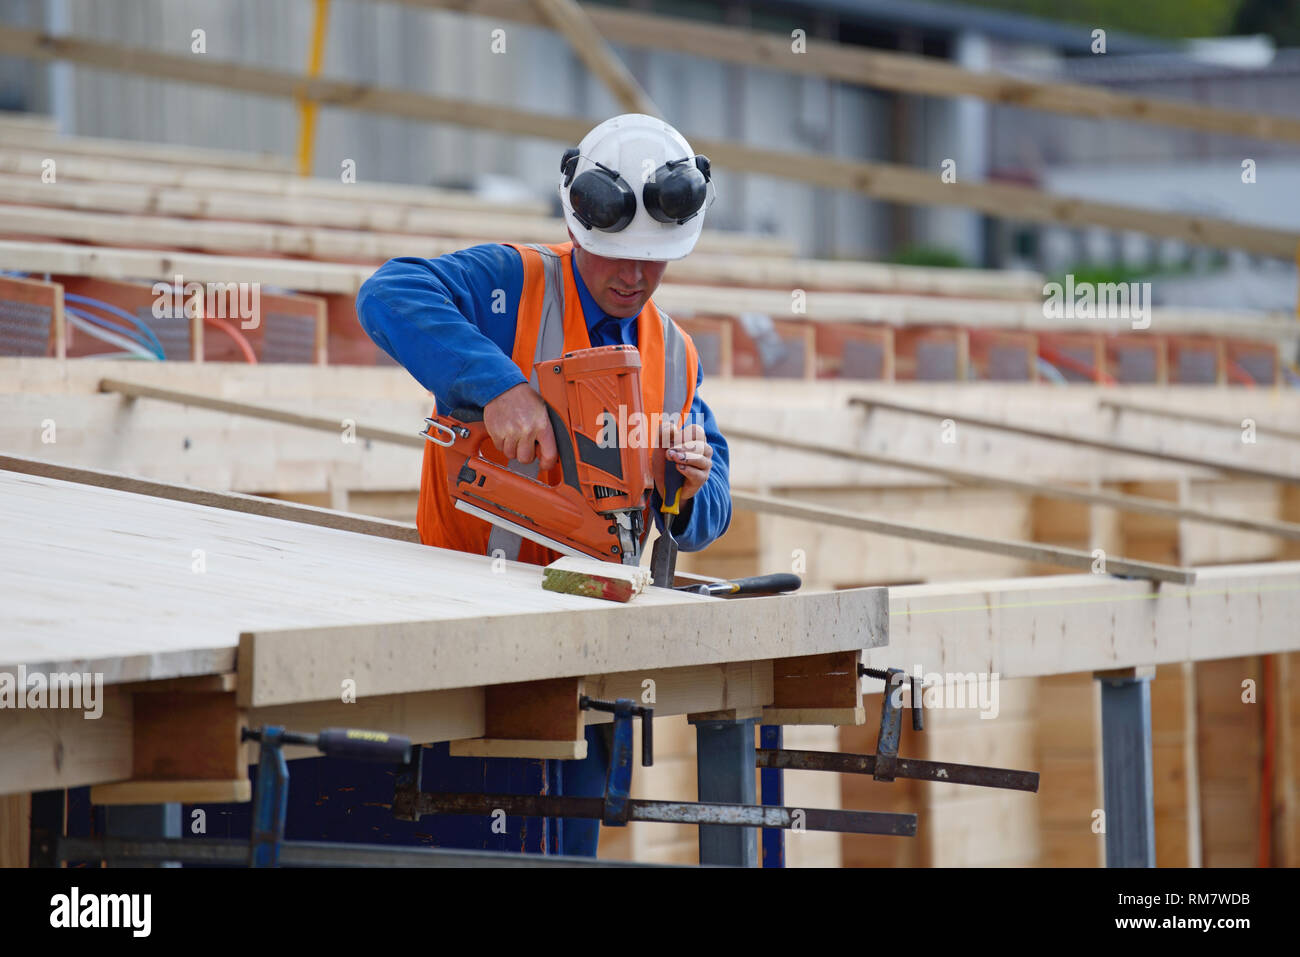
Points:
x=450 y=322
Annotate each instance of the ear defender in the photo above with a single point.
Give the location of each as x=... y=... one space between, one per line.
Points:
x=677 y=191
x=601 y=198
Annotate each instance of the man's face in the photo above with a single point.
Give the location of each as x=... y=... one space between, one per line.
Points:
x=619 y=286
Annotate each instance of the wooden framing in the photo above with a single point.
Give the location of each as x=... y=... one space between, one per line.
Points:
x=903 y=73
x=574 y=24
x=1029 y=551
x=1106 y=445
x=883 y=181
x=1132 y=503
x=1063 y=624
x=1185 y=415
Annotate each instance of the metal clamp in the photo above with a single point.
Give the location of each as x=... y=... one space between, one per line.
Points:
x=891 y=719
x=626 y=709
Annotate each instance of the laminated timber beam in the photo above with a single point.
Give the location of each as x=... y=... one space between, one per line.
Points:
x=883 y=70
x=1127 y=503
x=573 y=22
x=890 y=182
x=1087 y=441
x=1201 y=418
x=167 y=590
x=345 y=278
x=1066 y=624
x=1028 y=551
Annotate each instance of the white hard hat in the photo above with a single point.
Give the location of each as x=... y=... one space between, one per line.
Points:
x=634 y=189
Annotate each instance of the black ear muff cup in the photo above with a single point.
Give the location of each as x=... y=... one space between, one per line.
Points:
x=676 y=192
x=601 y=199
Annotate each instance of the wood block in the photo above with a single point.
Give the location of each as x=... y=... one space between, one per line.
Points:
x=501 y=748
x=59 y=748
x=817 y=682
x=595 y=579
x=187 y=736
x=815 y=716
x=163 y=792
x=15 y=829
x=534 y=710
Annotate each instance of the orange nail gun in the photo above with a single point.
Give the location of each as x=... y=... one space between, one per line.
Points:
x=597 y=507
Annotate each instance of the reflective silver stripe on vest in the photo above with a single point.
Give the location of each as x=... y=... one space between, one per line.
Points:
x=550 y=345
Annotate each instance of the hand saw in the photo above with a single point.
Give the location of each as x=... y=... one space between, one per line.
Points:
x=593 y=397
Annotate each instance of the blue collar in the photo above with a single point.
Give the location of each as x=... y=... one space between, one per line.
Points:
x=595 y=316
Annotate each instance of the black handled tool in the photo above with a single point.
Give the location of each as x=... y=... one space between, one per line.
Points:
x=739 y=587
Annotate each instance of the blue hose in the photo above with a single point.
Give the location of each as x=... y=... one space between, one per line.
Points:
x=114 y=327
x=123 y=314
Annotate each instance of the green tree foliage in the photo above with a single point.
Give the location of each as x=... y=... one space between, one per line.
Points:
x=1156 y=18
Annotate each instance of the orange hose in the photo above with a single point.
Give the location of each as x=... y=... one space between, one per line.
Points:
x=1057 y=358
x=1238 y=374
x=236 y=335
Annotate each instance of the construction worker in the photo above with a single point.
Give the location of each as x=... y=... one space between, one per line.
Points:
x=470 y=325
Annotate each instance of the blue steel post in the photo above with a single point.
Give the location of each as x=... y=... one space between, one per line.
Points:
x=772 y=781
x=270 y=801
x=1126 y=766
x=726 y=765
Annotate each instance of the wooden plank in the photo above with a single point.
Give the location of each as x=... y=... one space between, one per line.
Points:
x=232 y=501
x=815 y=716
x=15 y=829
x=1129 y=503
x=445 y=619
x=136 y=390
x=1093 y=442
x=339 y=246
x=170 y=153
x=368 y=223
x=1186 y=415
x=1029 y=551
x=488 y=650
x=424 y=717
x=734 y=686
x=887 y=70
x=59 y=748
x=180 y=792
x=1063 y=624
x=573 y=23
x=883 y=181
x=519 y=748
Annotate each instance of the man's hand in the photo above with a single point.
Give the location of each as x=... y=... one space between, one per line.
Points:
x=688 y=451
x=516 y=420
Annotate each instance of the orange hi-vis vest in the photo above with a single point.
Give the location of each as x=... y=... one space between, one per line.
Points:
x=549 y=323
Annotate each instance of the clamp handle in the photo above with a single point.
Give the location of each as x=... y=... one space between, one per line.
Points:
x=626 y=709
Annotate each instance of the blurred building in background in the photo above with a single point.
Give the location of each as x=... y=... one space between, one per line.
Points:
x=400 y=45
